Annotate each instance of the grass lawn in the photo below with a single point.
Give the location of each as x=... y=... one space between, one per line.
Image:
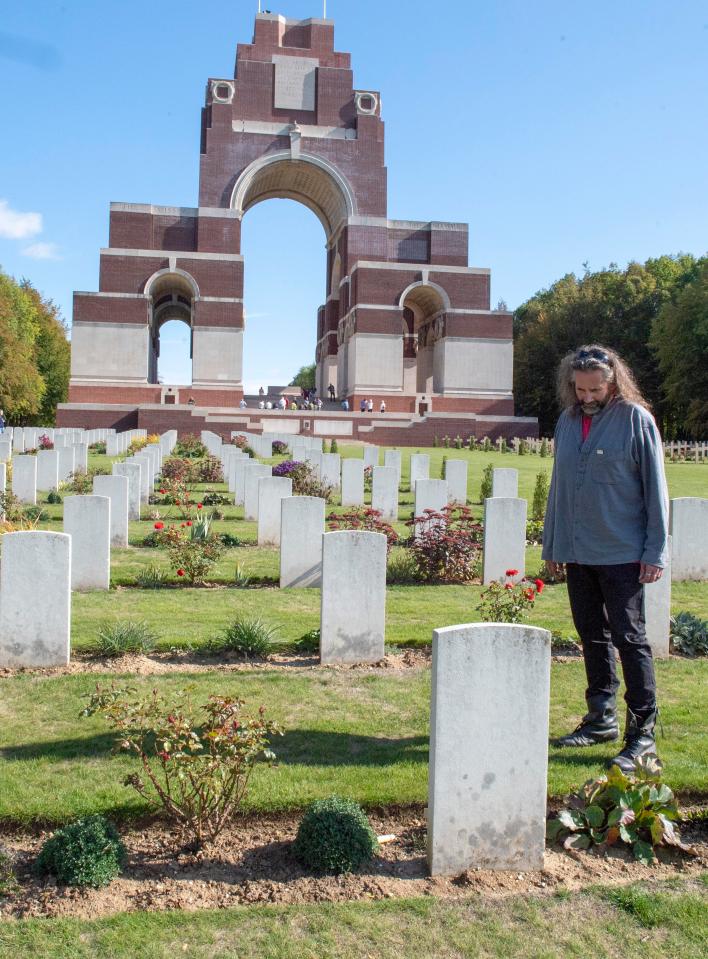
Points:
x=637 y=922
x=358 y=733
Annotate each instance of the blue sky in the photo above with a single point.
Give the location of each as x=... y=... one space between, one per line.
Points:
x=562 y=132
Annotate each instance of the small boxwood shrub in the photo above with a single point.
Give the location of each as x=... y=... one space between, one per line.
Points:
x=334 y=836
x=689 y=634
x=53 y=498
x=88 y=852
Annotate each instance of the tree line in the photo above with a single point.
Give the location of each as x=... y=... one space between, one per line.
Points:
x=34 y=354
x=654 y=314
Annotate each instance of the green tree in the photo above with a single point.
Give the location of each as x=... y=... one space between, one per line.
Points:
x=680 y=340
x=305 y=377
x=52 y=355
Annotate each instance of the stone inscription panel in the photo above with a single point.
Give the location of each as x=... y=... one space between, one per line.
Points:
x=295 y=83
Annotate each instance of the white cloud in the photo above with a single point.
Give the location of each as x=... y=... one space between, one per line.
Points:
x=42 y=251
x=18 y=226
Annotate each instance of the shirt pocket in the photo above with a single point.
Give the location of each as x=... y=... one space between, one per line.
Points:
x=609 y=467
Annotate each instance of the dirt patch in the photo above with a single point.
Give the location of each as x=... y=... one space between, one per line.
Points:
x=253 y=862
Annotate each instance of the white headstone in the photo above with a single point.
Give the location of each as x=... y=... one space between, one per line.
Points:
x=24 y=478
x=657 y=612
x=302 y=522
x=60 y=440
x=115 y=488
x=384 y=492
x=18 y=440
x=330 y=470
x=113 y=444
x=47 y=469
x=66 y=462
x=133 y=471
x=689 y=531
x=5 y=450
x=456 y=476
x=392 y=458
x=488 y=747
x=80 y=457
x=239 y=479
x=272 y=490
x=504 y=538
x=87 y=519
x=505 y=482
x=254 y=473
x=353 y=611
x=420 y=468
x=429 y=494
x=3 y=485
x=147 y=479
x=35 y=599
x=371 y=456
x=352 y=482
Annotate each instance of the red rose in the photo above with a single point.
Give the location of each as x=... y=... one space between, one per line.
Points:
x=508 y=586
x=199 y=505
x=180 y=572
x=512 y=572
x=189 y=522
x=162 y=491
x=159 y=525
x=539 y=584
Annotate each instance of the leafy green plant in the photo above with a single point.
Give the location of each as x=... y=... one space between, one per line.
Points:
x=639 y=810
x=364 y=518
x=401 y=568
x=229 y=540
x=443 y=465
x=195 y=762
x=545 y=448
x=333 y=448
x=53 y=498
x=124 y=636
x=309 y=642
x=523 y=448
x=445 y=545
x=306 y=483
x=689 y=634
x=193 y=550
x=99 y=447
x=446 y=442
x=190 y=446
x=246 y=637
x=334 y=836
x=534 y=532
x=508 y=602
x=485 y=489
x=88 y=852
x=540 y=496
x=152 y=577
x=242 y=579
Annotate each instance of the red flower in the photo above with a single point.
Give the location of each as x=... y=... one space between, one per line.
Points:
x=529 y=594
x=159 y=525
x=539 y=584
x=199 y=505
x=181 y=525
x=162 y=491
x=508 y=586
x=189 y=522
x=180 y=572
x=512 y=572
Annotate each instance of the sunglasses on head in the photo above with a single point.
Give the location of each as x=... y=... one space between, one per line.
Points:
x=586 y=357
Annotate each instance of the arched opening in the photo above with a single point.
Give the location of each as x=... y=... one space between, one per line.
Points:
x=424 y=306
x=284 y=260
x=172 y=294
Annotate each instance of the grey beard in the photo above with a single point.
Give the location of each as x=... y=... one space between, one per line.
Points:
x=589 y=409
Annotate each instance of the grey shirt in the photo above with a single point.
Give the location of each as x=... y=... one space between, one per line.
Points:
x=608 y=502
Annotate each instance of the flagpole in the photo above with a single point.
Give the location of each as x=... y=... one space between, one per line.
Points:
x=324 y=12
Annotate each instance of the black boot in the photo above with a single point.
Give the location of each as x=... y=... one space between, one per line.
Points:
x=638 y=741
x=599 y=725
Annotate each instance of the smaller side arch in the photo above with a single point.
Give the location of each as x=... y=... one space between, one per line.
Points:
x=168 y=279
x=430 y=297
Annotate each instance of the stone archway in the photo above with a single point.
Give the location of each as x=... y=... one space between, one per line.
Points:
x=424 y=306
x=172 y=295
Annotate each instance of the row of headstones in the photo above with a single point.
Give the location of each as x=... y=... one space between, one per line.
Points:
x=25 y=438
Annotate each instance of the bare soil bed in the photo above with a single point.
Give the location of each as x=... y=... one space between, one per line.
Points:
x=253 y=862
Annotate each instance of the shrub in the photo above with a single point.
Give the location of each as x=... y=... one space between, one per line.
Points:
x=193 y=550
x=446 y=442
x=88 y=852
x=195 y=764
x=486 y=444
x=18 y=515
x=229 y=540
x=81 y=481
x=638 y=810
x=97 y=448
x=368 y=477
x=458 y=442
x=472 y=443
x=137 y=443
x=44 y=443
x=401 y=568
x=689 y=634
x=306 y=483
x=279 y=448
x=176 y=468
x=523 y=448
x=485 y=489
x=367 y=519
x=242 y=444
x=286 y=468
x=334 y=836
x=540 y=496
x=190 y=447
x=210 y=470
x=152 y=577
x=242 y=580
x=446 y=545
x=333 y=448
x=53 y=498
x=309 y=642
x=212 y=498
x=124 y=636
x=503 y=445
x=246 y=637
x=443 y=464
x=509 y=602
x=534 y=532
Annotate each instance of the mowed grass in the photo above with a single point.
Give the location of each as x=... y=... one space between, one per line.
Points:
x=644 y=922
x=353 y=732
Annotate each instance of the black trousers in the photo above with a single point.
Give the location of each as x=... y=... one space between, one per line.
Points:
x=606 y=603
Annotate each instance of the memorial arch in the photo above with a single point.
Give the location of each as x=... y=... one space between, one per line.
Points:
x=403 y=313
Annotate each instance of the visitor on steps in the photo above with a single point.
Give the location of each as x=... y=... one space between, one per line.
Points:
x=607 y=526
x=382 y=408
x=332 y=393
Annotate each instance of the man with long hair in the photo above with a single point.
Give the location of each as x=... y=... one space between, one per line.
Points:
x=607 y=525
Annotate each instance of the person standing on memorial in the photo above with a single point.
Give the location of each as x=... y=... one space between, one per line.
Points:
x=2 y=421
x=332 y=393
x=607 y=525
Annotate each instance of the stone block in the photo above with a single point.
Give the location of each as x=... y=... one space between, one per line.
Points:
x=61 y=440
x=133 y=471
x=456 y=476
x=352 y=482
x=113 y=444
x=24 y=478
x=254 y=473
x=147 y=479
x=18 y=440
x=5 y=450
x=392 y=459
x=331 y=469
x=314 y=458
x=272 y=490
x=657 y=612
x=116 y=489
x=505 y=482
x=47 y=469
x=420 y=468
x=504 y=537
x=371 y=456
x=66 y=462
x=488 y=747
x=239 y=479
x=35 y=599
x=689 y=531
x=384 y=491
x=353 y=610
x=87 y=519
x=80 y=457
x=302 y=523
x=429 y=494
